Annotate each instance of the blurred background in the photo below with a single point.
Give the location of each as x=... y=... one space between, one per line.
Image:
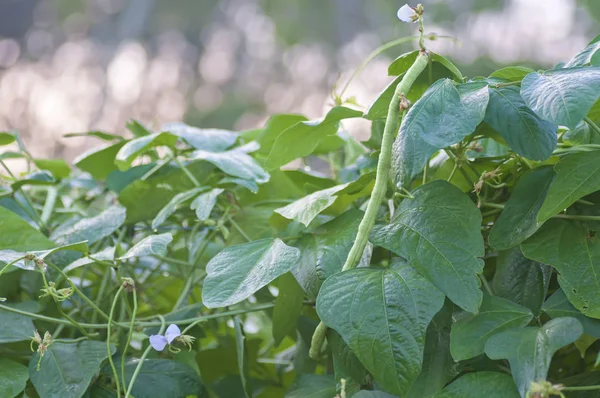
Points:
x=80 y=65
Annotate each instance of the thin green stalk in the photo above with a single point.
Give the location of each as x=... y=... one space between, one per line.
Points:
x=187 y=172
x=186 y=321
x=239 y=229
x=60 y=310
x=592 y=125
x=101 y=291
x=453 y=172
x=131 y=325
x=486 y=285
x=138 y=368
x=112 y=363
x=392 y=124
x=581 y=388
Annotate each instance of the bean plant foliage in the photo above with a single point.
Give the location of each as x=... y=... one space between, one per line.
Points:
x=454 y=254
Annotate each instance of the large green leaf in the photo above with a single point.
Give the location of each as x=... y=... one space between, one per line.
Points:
x=313 y=386
x=345 y=363
x=521 y=280
x=18 y=235
x=99 y=162
x=562 y=96
x=471 y=331
x=237 y=272
x=518 y=221
x=481 y=384
x=91 y=229
x=13 y=377
x=576 y=176
x=530 y=350
x=288 y=307
x=67 y=368
x=443 y=116
x=401 y=64
x=236 y=163
x=17 y=327
x=439 y=233
x=558 y=305
x=171 y=207
x=150 y=245
x=524 y=131
x=137 y=146
x=324 y=252
x=589 y=55
x=211 y=140
x=276 y=125
x=566 y=245
x=512 y=73
x=372 y=394
x=383 y=316
x=438 y=366
x=302 y=138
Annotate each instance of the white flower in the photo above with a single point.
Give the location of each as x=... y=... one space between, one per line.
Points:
x=159 y=342
x=407 y=14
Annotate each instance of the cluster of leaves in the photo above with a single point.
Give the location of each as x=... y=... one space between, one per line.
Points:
x=479 y=279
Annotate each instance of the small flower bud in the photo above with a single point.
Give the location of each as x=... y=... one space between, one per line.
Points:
x=407 y=14
x=43 y=345
x=186 y=340
x=40 y=264
x=128 y=284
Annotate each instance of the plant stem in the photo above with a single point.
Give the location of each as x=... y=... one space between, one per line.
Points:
x=392 y=124
x=187 y=172
x=49 y=204
x=128 y=338
x=592 y=125
x=138 y=368
x=485 y=283
x=112 y=363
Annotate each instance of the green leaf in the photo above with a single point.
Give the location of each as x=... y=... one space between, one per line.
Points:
x=324 y=252
x=240 y=344
x=438 y=232
x=481 y=384
x=99 y=162
x=137 y=128
x=211 y=140
x=204 y=203
x=171 y=207
x=17 y=327
x=276 y=125
x=34 y=178
x=8 y=256
x=524 y=131
x=562 y=96
x=158 y=378
x=288 y=307
x=518 y=221
x=237 y=272
x=565 y=245
x=471 y=331
x=589 y=55
x=6 y=138
x=150 y=245
x=521 y=280
x=438 y=366
x=305 y=210
x=137 y=146
x=58 y=167
x=313 y=386
x=107 y=254
x=67 y=368
x=91 y=229
x=13 y=377
x=18 y=235
x=383 y=316
x=443 y=116
x=235 y=163
x=512 y=73
x=558 y=305
x=577 y=175
x=530 y=350
x=302 y=138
